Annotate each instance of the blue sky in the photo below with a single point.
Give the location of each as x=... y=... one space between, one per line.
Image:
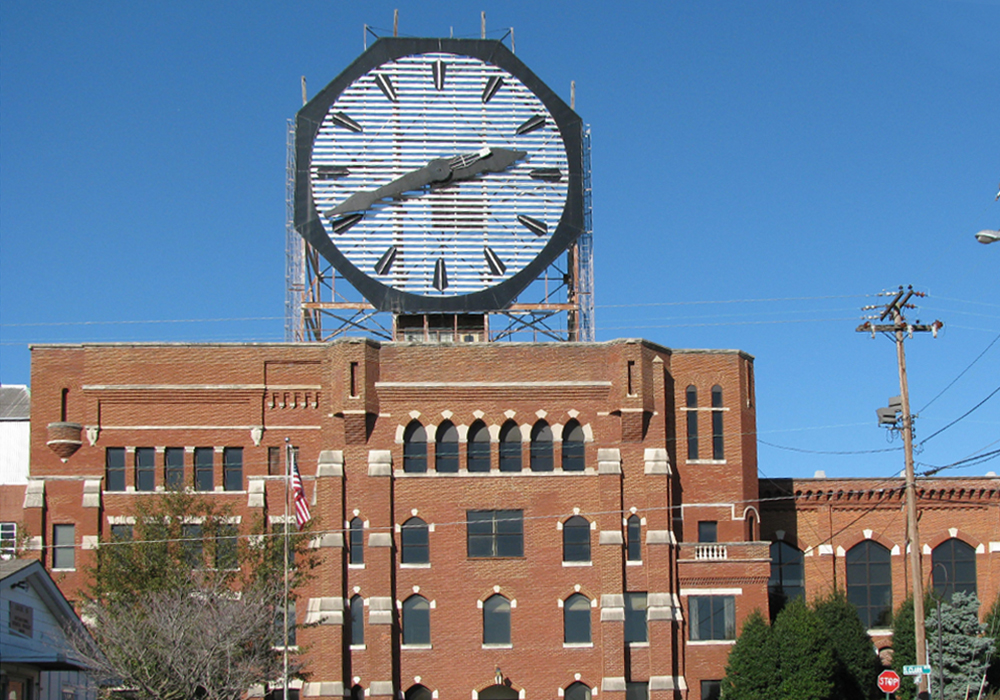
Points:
x=760 y=169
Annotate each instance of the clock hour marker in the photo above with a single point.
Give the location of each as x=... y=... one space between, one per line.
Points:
x=440 y=275
x=496 y=265
x=345 y=122
x=533 y=124
x=385 y=85
x=342 y=224
x=438 y=67
x=384 y=263
x=539 y=228
x=547 y=174
x=331 y=172
x=492 y=85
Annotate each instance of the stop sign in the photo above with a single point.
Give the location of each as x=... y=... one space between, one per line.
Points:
x=888 y=681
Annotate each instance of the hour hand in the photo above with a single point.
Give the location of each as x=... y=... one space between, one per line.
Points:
x=488 y=160
x=436 y=170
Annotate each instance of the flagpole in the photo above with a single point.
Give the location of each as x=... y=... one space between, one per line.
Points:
x=284 y=565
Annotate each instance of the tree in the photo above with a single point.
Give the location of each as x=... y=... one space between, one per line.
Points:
x=857 y=662
x=993 y=630
x=904 y=647
x=964 y=649
x=752 y=669
x=183 y=605
x=806 y=658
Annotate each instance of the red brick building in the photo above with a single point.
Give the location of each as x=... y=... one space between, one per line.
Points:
x=495 y=520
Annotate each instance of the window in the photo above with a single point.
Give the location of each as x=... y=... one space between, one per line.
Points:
x=418 y=692
x=954 y=568
x=192 y=545
x=8 y=540
x=576 y=539
x=498 y=692
x=232 y=468
x=711 y=690
x=787 y=576
x=415 y=449
x=416 y=620
x=717 y=442
x=282 y=623
x=145 y=469
x=578 y=691
x=226 y=542
x=692 y=422
x=446 y=449
x=712 y=617
x=636 y=690
x=357 y=543
x=572 y=449
x=121 y=533
x=633 y=547
x=495 y=533
x=357 y=621
x=510 y=447
x=173 y=467
x=541 y=447
x=114 y=469
x=274 y=465
x=708 y=531
x=635 y=618
x=869 y=583
x=204 y=478
x=64 y=546
x=496 y=620
x=576 y=619
x=415 y=546
x=479 y=448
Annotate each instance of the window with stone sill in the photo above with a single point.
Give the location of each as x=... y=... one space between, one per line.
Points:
x=496 y=621
x=576 y=539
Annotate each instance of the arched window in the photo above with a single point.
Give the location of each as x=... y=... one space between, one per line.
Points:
x=787 y=576
x=357 y=693
x=479 y=448
x=510 y=447
x=496 y=620
x=419 y=692
x=416 y=620
x=578 y=691
x=751 y=526
x=541 y=447
x=498 y=692
x=718 y=448
x=415 y=449
x=572 y=448
x=576 y=539
x=692 y=421
x=633 y=546
x=446 y=448
x=869 y=582
x=576 y=619
x=954 y=567
x=357 y=620
x=356 y=546
x=414 y=542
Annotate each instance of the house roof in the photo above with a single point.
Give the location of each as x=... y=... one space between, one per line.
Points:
x=15 y=402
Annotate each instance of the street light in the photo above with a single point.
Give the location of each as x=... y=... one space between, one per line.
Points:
x=988 y=236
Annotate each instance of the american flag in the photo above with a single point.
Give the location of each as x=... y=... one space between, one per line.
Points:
x=298 y=494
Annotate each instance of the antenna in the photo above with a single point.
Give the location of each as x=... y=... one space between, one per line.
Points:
x=482 y=21
x=395 y=22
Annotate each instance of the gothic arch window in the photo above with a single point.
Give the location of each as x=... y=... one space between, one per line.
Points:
x=718 y=443
x=576 y=539
x=572 y=448
x=356 y=545
x=419 y=692
x=691 y=401
x=787 y=576
x=541 y=447
x=576 y=619
x=416 y=620
x=954 y=568
x=869 y=582
x=357 y=620
x=510 y=447
x=633 y=545
x=498 y=692
x=414 y=541
x=446 y=448
x=578 y=691
x=415 y=449
x=496 y=620
x=479 y=448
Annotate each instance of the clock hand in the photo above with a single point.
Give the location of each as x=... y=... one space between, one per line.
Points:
x=437 y=171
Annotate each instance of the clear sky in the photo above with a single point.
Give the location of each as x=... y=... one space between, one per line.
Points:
x=760 y=170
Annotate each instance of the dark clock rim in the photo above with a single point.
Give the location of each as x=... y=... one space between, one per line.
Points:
x=382 y=296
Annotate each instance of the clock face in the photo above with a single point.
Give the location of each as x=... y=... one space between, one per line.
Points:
x=437 y=179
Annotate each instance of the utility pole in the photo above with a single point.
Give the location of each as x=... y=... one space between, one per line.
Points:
x=900 y=329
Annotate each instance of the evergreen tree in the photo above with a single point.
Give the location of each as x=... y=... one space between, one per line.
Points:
x=857 y=662
x=964 y=649
x=993 y=631
x=806 y=657
x=904 y=648
x=752 y=669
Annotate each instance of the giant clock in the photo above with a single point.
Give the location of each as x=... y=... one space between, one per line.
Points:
x=438 y=175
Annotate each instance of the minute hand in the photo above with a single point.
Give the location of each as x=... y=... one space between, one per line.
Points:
x=436 y=170
x=498 y=160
